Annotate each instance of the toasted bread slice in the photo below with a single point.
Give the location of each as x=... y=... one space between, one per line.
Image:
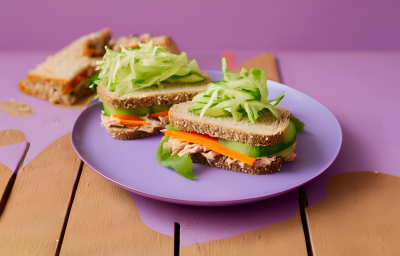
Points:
x=133 y=42
x=220 y=162
x=169 y=94
x=267 y=131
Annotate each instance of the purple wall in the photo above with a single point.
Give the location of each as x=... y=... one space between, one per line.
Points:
x=257 y=25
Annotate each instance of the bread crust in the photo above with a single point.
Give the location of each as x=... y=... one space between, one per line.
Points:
x=220 y=162
x=128 y=133
x=228 y=133
x=157 y=98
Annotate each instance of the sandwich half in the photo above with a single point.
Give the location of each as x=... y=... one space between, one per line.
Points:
x=231 y=125
x=61 y=79
x=136 y=88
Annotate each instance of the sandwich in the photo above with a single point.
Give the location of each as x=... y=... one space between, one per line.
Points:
x=231 y=125
x=136 y=88
x=61 y=79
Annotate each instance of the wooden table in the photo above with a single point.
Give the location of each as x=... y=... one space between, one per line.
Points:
x=53 y=204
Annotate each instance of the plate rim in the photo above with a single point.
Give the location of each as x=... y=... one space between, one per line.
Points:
x=213 y=203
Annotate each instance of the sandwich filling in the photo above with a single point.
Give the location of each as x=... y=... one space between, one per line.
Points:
x=146 y=123
x=180 y=148
x=149 y=119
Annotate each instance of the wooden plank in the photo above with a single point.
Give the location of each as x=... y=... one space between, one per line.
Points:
x=105 y=221
x=359 y=217
x=265 y=61
x=7 y=176
x=34 y=216
x=284 y=238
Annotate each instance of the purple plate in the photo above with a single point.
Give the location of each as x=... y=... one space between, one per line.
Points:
x=132 y=164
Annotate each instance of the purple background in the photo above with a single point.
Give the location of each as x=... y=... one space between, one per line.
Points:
x=207 y=25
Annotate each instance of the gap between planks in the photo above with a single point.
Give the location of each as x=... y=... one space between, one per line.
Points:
x=69 y=209
x=303 y=204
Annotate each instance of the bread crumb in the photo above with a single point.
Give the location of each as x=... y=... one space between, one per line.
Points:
x=376 y=172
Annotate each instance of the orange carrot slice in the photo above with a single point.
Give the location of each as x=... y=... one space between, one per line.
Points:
x=210 y=143
x=162 y=113
x=133 y=122
x=126 y=117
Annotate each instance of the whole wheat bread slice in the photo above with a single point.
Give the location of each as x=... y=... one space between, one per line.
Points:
x=268 y=130
x=169 y=94
x=220 y=162
x=128 y=133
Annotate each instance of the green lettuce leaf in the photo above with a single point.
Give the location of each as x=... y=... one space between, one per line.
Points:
x=299 y=124
x=91 y=82
x=181 y=164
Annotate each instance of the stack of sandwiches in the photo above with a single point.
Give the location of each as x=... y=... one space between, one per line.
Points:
x=62 y=78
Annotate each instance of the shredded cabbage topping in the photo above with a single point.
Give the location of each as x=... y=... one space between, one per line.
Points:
x=131 y=69
x=240 y=95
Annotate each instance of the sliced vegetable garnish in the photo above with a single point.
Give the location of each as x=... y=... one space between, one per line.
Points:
x=162 y=113
x=299 y=124
x=139 y=111
x=133 y=122
x=210 y=143
x=131 y=69
x=126 y=117
x=171 y=128
x=239 y=95
x=181 y=164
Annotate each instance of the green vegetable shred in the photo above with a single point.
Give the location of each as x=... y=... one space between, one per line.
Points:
x=240 y=95
x=130 y=69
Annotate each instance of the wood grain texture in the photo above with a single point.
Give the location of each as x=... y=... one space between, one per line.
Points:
x=361 y=216
x=7 y=178
x=105 y=221
x=284 y=238
x=9 y=137
x=33 y=218
x=265 y=61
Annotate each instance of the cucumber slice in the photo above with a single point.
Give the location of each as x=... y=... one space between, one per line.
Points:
x=140 y=111
x=258 y=151
x=194 y=66
x=284 y=153
x=183 y=71
x=194 y=77
x=290 y=132
x=160 y=108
